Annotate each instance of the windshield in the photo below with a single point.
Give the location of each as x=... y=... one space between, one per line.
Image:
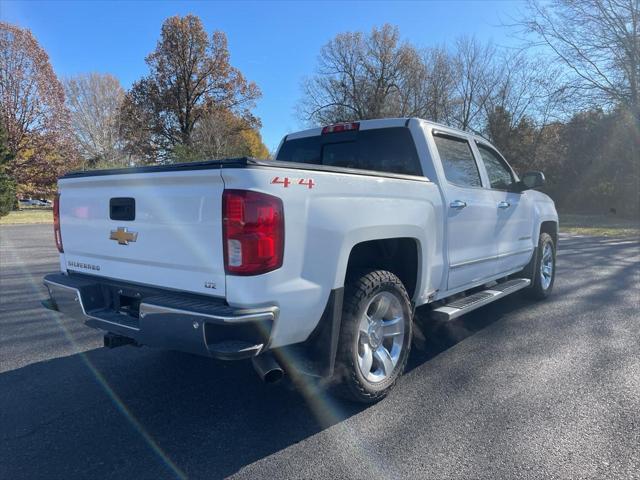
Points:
x=383 y=149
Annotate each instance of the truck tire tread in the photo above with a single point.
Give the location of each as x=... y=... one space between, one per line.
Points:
x=357 y=291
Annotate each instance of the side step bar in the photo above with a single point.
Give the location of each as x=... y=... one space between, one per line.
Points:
x=467 y=304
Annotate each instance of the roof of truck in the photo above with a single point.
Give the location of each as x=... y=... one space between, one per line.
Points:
x=388 y=123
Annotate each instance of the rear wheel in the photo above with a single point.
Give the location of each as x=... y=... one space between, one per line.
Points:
x=375 y=336
x=544 y=270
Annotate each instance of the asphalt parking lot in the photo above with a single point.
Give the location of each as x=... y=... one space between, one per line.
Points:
x=515 y=390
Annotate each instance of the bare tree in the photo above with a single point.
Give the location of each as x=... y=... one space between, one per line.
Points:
x=599 y=43
x=361 y=77
x=525 y=87
x=477 y=77
x=441 y=83
x=528 y=95
x=94 y=101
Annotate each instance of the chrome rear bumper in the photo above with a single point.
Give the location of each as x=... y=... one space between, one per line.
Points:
x=191 y=323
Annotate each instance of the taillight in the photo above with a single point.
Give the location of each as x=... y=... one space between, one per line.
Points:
x=253 y=232
x=56 y=222
x=341 y=127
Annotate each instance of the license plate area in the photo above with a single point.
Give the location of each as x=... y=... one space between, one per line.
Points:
x=129 y=306
x=122 y=301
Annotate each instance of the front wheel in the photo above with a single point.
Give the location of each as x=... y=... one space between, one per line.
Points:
x=375 y=336
x=544 y=270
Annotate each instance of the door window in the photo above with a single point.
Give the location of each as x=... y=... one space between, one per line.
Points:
x=457 y=160
x=500 y=176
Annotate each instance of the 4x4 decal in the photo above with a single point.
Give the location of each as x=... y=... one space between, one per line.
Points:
x=286 y=181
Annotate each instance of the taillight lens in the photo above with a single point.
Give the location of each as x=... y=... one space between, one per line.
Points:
x=56 y=222
x=253 y=232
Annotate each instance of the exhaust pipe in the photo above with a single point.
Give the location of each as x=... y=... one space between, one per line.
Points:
x=267 y=368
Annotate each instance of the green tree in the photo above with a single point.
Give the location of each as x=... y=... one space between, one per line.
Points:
x=600 y=171
x=7 y=185
x=517 y=142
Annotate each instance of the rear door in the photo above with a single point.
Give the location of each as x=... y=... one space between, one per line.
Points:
x=160 y=229
x=514 y=212
x=470 y=214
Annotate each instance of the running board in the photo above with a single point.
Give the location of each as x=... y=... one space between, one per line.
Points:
x=467 y=304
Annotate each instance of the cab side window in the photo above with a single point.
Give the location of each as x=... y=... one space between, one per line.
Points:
x=457 y=160
x=500 y=176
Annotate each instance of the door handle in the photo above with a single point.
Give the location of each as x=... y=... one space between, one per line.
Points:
x=458 y=204
x=504 y=205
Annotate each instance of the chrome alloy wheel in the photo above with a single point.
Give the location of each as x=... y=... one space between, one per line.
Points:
x=546 y=266
x=380 y=337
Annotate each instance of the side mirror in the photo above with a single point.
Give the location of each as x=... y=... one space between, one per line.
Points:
x=531 y=180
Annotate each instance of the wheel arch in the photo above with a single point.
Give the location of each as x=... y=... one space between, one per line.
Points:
x=399 y=255
x=550 y=227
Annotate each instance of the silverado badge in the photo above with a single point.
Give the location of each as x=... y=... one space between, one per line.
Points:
x=123 y=236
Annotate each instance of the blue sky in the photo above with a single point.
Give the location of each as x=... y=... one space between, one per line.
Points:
x=274 y=44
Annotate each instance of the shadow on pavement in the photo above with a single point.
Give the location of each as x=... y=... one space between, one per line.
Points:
x=115 y=413
x=128 y=411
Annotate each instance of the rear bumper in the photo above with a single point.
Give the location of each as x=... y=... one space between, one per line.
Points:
x=163 y=319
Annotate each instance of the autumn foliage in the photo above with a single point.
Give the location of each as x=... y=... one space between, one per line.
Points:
x=190 y=82
x=192 y=105
x=33 y=113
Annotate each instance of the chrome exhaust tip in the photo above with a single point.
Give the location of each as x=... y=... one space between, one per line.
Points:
x=267 y=368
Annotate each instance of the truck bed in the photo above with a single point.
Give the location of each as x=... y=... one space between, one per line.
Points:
x=240 y=162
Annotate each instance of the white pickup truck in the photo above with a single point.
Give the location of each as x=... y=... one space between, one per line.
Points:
x=313 y=262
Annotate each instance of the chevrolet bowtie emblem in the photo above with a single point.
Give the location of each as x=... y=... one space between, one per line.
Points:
x=123 y=236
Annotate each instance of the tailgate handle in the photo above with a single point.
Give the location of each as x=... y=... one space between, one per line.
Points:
x=122 y=208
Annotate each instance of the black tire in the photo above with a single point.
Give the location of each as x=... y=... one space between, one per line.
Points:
x=538 y=289
x=359 y=292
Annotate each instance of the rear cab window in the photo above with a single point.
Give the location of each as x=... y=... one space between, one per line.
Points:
x=390 y=150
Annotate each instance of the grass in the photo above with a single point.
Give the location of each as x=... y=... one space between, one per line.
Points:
x=599 y=225
x=28 y=215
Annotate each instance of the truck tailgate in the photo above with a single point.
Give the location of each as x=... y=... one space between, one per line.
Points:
x=174 y=240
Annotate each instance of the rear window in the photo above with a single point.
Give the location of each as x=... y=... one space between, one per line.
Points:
x=383 y=149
